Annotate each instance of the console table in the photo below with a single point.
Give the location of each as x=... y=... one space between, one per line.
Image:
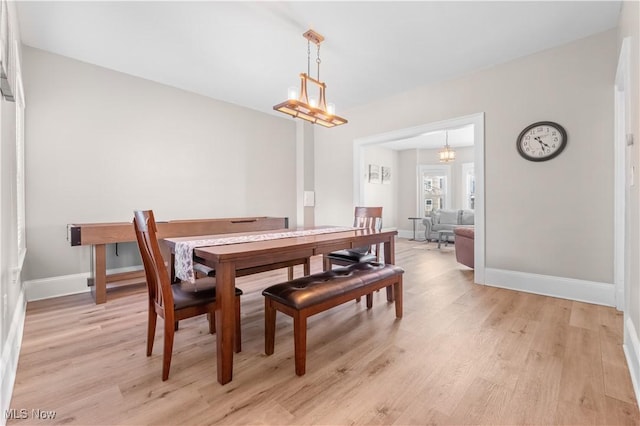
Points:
x=414 y=219
x=98 y=235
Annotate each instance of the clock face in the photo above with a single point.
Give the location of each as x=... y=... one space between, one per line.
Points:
x=542 y=141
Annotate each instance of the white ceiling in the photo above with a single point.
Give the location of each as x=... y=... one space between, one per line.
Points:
x=456 y=138
x=249 y=53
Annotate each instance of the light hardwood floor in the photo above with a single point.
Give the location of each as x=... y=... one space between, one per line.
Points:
x=462 y=354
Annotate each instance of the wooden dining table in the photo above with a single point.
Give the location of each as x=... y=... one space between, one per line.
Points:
x=232 y=260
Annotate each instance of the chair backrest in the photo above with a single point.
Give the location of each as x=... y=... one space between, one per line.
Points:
x=155 y=270
x=368 y=217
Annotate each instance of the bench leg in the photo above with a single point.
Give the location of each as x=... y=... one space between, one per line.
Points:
x=369 y=300
x=300 y=342
x=290 y=273
x=397 y=289
x=390 y=294
x=269 y=326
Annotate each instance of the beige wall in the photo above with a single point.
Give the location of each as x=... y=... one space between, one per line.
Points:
x=101 y=144
x=407 y=191
x=378 y=194
x=550 y=203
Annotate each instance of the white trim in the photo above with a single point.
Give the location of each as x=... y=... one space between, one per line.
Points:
x=478 y=132
x=408 y=234
x=22 y=254
x=64 y=285
x=464 y=172
x=10 y=355
x=546 y=285
x=478 y=164
x=15 y=272
x=631 y=349
x=622 y=123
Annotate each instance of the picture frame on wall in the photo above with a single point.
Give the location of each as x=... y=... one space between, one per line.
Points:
x=386 y=174
x=374 y=173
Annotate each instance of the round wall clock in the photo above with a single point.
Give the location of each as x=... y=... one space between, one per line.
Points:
x=541 y=141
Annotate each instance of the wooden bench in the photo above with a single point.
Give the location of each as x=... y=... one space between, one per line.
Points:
x=306 y=296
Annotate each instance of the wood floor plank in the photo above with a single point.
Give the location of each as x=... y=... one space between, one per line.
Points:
x=582 y=374
x=462 y=354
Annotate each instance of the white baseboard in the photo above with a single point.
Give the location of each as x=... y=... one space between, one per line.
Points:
x=631 y=348
x=564 y=288
x=64 y=285
x=10 y=355
x=408 y=234
x=47 y=288
x=620 y=300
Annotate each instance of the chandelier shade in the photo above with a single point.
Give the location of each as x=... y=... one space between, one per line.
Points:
x=304 y=106
x=447 y=154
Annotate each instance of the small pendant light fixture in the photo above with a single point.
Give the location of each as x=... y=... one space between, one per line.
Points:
x=447 y=154
x=305 y=106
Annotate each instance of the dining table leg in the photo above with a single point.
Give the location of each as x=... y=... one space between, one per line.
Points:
x=225 y=320
x=390 y=259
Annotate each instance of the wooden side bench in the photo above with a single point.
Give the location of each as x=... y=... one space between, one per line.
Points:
x=306 y=296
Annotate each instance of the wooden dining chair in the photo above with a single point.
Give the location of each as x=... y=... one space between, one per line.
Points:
x=173 y=302
x=367 y=218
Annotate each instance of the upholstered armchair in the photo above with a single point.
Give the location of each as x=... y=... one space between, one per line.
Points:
x=465 y=237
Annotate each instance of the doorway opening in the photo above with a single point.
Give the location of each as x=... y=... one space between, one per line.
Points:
x=360 y=173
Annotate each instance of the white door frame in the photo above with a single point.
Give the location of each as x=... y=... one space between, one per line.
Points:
x=465 y=184
x=621 y=173
x=478 y=134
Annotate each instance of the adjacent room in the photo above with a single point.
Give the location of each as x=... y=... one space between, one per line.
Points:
x=372 y=212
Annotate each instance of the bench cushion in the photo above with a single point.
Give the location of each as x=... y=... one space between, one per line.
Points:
x=318 y=288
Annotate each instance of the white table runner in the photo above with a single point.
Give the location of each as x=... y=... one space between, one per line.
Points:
x=184 y=250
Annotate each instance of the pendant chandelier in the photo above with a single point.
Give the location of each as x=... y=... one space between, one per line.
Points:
x=447 y=154
x=305 y=106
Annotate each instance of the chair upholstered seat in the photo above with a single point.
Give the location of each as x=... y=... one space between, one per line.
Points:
x=186 y=295
x=353 y=256
x=364 y=218
x=173 y=302
x=204 y=270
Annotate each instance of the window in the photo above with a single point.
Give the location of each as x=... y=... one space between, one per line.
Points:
x=434 y=188
x=469 y=186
